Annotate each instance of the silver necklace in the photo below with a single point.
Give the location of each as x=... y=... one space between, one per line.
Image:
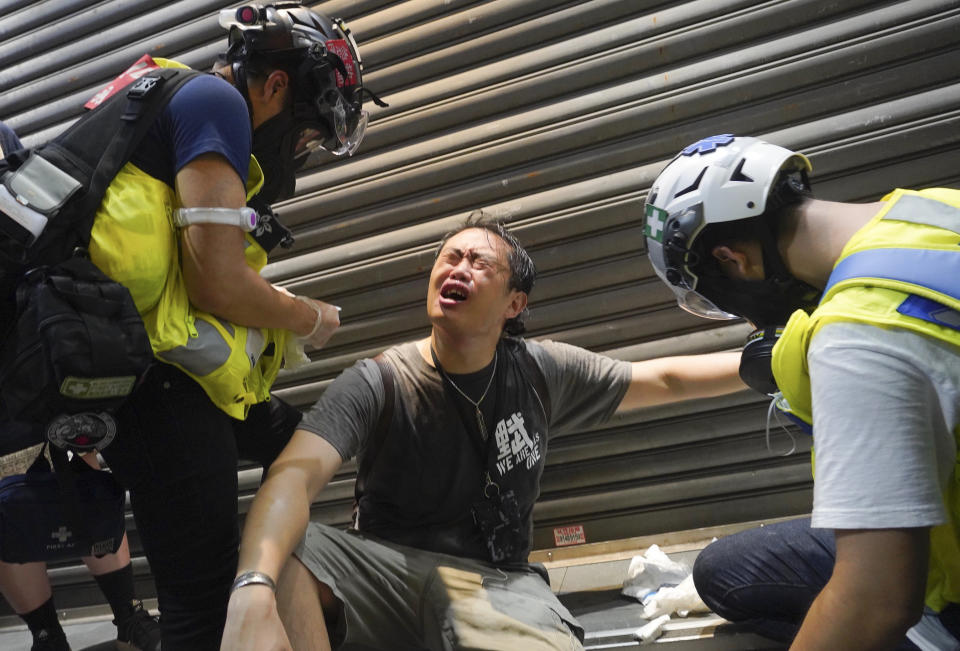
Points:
x=475 y=403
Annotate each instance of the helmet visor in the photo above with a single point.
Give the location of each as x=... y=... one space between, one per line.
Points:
x=312 y=138
x=698 y=305
x=351 y=140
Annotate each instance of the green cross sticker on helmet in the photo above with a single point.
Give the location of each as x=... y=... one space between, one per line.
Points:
x=655 y=222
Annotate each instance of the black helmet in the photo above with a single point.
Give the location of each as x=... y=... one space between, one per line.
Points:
x=322 y=58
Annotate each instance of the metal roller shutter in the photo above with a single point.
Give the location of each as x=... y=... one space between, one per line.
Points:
x=556 y=116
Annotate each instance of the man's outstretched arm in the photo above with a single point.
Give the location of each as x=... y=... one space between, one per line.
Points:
x=875 y=594
x=671 y=379
x=275 y=524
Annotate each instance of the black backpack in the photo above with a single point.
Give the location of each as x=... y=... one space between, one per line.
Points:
x=73 y=346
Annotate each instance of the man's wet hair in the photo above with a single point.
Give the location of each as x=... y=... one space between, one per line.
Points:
x=523 y=272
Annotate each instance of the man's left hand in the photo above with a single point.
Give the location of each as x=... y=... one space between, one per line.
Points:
x=253 y=623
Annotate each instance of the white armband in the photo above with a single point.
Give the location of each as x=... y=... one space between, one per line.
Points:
x=245 y=218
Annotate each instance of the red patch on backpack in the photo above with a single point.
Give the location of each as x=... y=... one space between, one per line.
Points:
x=143 y=65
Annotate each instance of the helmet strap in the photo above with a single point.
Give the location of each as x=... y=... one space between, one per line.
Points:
x=240 y=80
x=273 y=147
x=766 y=231
x=361 y=92
x=790 y=188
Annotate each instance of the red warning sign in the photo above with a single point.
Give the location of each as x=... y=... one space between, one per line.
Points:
x=572 y=535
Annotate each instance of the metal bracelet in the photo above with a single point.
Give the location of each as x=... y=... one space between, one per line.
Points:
x=253 y=578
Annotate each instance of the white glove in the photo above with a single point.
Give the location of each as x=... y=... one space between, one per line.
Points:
x=650 y=631
x=293 y=354
x=328 y=320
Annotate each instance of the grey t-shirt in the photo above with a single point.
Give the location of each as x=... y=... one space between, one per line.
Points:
x=885 y=405
x=584 y=388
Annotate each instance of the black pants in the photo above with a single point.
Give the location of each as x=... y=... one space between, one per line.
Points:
x=177 y=455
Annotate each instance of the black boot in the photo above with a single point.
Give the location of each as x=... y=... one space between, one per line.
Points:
x=44 y=640
x=45 y=628
x=139 y=629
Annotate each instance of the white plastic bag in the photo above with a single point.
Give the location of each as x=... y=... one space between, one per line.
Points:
x=652 y=571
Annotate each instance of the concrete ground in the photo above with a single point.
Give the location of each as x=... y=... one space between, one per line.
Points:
x=87 y=629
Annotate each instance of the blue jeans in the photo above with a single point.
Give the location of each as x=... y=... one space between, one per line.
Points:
x=767 y=578
x=177 y=454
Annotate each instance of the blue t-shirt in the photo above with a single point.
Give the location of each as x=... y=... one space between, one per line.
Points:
x=8 y=140
x=206 y=115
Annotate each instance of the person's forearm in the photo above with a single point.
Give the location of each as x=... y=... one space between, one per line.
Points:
x=670 y=379
x=215 y=270
x=219 y=281
x=835 y=622
x=704 y=376
x=274 y=526
x=249 y=300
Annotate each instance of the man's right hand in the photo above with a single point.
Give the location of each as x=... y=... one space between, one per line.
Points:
x=253 y=623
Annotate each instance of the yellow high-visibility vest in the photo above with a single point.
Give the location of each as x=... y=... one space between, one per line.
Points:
x=135 y=242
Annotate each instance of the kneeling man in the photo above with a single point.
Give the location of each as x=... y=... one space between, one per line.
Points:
x=451 y=435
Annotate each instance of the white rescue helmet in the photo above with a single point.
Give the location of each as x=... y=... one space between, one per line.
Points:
x=717 y=179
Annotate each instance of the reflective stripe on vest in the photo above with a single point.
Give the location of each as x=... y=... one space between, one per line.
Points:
x=208 y=351
x=934 y=268
x=935 y=213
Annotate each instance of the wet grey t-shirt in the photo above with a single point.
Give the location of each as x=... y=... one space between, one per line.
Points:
x=585 y=389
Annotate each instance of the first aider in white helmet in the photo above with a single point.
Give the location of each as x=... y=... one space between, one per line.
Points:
x=731 y=186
